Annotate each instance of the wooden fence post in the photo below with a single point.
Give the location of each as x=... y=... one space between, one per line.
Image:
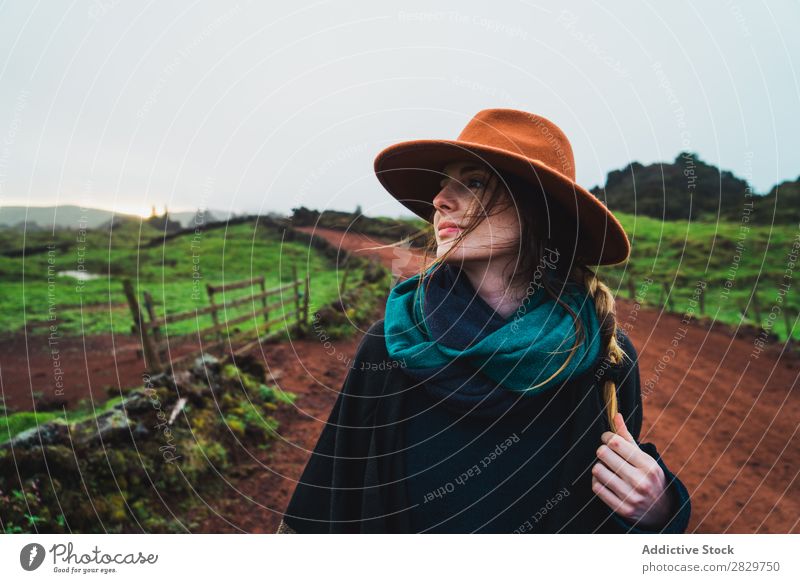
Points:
x=742 y=310
x=296 y=288
x=264 y=301
x=702 y=299
x=214 y=316
x=756 y=307
x=151 y=312
x=343 y=284
x=151 y=356
x=305 y=297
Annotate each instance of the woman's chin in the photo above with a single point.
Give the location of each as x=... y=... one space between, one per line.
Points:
x=457 y=256
x=444 y=247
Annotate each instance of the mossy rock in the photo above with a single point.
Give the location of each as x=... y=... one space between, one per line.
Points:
x=109 y=428
x=61 y=460
x=238 y=378
x=236 y=425
x=198 y=457
x=52 y=432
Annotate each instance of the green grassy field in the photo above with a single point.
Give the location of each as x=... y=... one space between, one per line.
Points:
x=31 y=292
x=733 y=263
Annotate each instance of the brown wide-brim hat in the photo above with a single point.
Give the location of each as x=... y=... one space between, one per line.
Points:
x=526 y=145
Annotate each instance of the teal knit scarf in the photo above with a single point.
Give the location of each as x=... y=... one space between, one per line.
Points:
x=472 y=358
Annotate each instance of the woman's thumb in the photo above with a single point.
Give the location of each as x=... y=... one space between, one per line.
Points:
x=622 y=429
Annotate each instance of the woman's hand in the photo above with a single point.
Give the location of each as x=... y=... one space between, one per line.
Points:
x=629 y=480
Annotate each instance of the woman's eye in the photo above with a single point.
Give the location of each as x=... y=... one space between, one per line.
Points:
x=475 y=183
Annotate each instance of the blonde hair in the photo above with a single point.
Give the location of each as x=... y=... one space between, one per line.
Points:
x=605 y=306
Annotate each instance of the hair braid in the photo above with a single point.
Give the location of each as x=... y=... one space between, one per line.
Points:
x=605 y=306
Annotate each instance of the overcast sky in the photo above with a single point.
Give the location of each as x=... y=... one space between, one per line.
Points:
x=250 y=107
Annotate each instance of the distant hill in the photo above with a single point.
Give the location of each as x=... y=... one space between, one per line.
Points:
x=75 y=217
x=783 y=201
x=64 y=216
x=690 y=189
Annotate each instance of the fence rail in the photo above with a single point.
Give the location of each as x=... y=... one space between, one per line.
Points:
x=750 y=310
x=149 y=327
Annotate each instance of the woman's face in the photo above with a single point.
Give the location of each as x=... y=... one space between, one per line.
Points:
x=466 y=188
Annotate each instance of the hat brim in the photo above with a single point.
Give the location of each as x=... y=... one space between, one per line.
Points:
x=412 y=172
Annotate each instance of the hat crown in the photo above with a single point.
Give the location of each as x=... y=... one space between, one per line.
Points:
x=523 y=133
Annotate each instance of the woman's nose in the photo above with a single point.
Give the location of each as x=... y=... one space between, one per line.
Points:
x=444 y=200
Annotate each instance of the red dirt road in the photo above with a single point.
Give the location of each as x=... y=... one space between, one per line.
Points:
x=401 y=261
x=73 y=368
x=725 y=421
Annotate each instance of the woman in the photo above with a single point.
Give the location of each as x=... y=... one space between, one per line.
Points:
x=497 y=394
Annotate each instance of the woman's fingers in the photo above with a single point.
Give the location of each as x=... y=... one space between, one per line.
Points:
x=628 y=479
x=613 y=482
x=635 y=474
x=644 y=483
x=611 y=500
x=627 y=450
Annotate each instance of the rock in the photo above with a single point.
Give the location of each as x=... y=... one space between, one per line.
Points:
x=251 y=365
x=136 y=402
x=110 y=427
x=140 y=431
x=160 y=379
x=45 y=434
x=197 y=393
x=183 y=379
x=205 y=364
x=60 y=460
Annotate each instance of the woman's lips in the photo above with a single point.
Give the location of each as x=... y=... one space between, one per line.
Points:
x=448 y=231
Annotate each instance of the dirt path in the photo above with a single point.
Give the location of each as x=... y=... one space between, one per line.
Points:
x=72 y=368
x=401 y=261
x=725 y=421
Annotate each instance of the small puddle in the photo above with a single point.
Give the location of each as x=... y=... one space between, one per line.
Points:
x=80 y=275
